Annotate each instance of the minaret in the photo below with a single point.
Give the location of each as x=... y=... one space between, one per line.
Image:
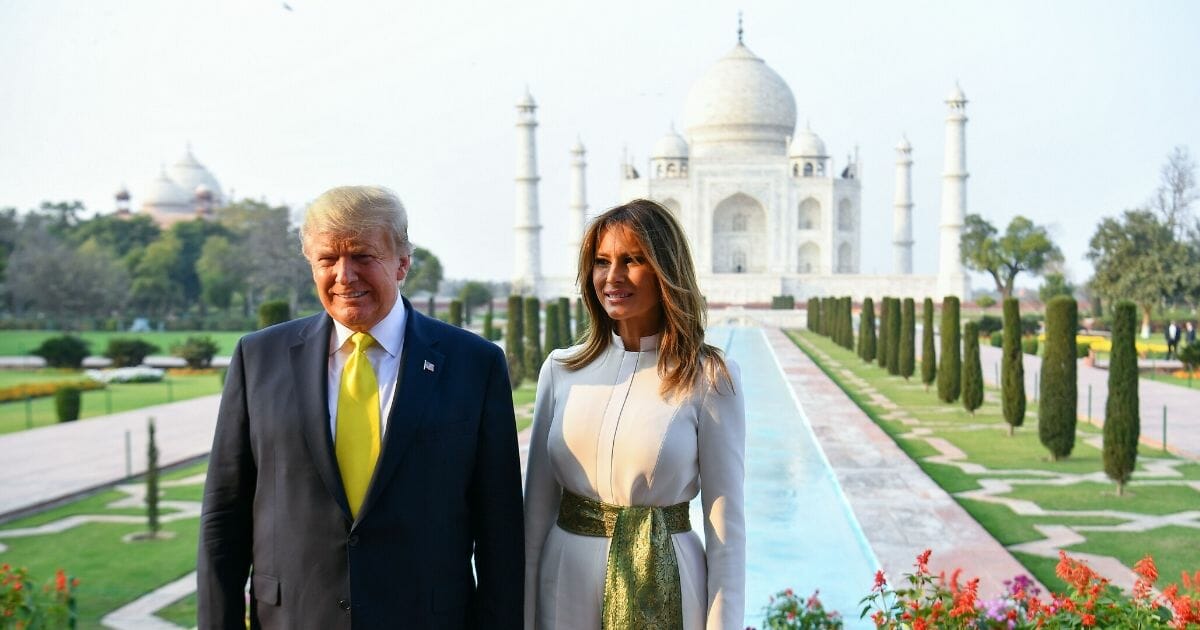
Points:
x=952 y=280
x=527 y=268
x=577 y=208
x=902 y=240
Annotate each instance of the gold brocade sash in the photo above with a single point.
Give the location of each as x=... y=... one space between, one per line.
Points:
x=641 y=586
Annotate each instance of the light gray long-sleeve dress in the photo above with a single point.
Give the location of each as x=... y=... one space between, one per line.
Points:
x=604 y=432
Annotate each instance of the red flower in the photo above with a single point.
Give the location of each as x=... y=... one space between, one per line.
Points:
x=880 y=581
x=923 y=562
x=60 y=581
x=1088 y=620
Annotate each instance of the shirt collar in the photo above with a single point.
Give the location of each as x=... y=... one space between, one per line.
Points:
x=388 y=333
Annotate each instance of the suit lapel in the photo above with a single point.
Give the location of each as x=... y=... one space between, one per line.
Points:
x=310 y=361
x=420 y=368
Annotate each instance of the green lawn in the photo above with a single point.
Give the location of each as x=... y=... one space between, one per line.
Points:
x=984 y=440
x=111 y=572
x=118 y=397
x=21 y=342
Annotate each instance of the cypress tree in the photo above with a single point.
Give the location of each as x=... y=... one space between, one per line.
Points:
x=950 y=372
x=564 y=322
x=432 y=306
x=848 y=324
x=1012 y=383
x=455 y=316
x=152 y=481
x=514 y=346
x=533 y=330
x=844 y=325
x=928 y=354
x=893 y=365
x=489 y=329
x=814 y=314
x=1058 y=395
x=582 y=321
x=866 y=330
x=908 y=333
x=826 y=316
x=881 y=346
x=972 y=371
x=1122 y=422
x=553 y=324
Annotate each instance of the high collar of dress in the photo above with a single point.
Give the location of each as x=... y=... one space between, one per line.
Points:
x=644 y=344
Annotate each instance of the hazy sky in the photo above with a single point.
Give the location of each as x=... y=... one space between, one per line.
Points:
x=1073 y=105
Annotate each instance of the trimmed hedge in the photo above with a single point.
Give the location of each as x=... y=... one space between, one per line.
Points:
x=908 y=331
x=866 y=331
x=455 y=316
x=989 y=324
x=514 y=349
x=928 y=353
x=128 y=352
x=1122 y=420
x=972 y=371
x=565 y=338
x=273 y=312
x=14 y=393
x=885 y=304
x=893 y=366
x=64 y=351
x=1012 y=379
x=533 y=330
x=949 y=376
x=66 y=403
x=197 y=350
x=1058 y=398
x=553 y=324
x=783 y=302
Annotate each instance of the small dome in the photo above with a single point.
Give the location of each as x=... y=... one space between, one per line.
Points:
x=740 y=98
x=956 y=95
x=164 y=194
x=671 y=146
x=190 y=174
x=808 y=144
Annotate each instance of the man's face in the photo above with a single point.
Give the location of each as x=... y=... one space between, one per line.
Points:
x=356 y=278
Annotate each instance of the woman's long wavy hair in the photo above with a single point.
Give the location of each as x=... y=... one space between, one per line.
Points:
x=683 y=355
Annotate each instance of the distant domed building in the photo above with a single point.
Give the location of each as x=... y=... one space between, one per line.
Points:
x=765 y=209
x=184 y=191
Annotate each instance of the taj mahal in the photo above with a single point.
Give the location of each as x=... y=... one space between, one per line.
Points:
x=766 y=210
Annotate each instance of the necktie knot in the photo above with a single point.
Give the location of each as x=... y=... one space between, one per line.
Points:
x=362 y=341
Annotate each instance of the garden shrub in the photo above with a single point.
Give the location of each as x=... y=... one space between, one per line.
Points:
x=514 y=349
x=783 y=302
x=45 y=388
x=908 y=331
x=996 y=339
x=1031 y=324
x=564 y=322
x=1058 y=397
x=1190 y=356
x=273 y=312
x=928 y=353
x=893 y=365
x=1029 y=345
x=197 y=350
x=1122 y=420
x=1012 y=379
x=66 y=403
x=813 y=315
x=972 y=371
x=1082 y=349
x=882 y=345
x=866 y=331
x=950 y=372
x=552 y=327
x=581 y=319
x=64 y=351
x=533 y=330
x=455 y=317
x=989 y=324
x=129 y=352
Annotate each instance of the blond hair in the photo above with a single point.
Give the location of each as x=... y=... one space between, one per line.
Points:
x=683 y=355
x=351 y=211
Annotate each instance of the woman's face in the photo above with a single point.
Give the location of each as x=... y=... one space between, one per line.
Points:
x=625 y=283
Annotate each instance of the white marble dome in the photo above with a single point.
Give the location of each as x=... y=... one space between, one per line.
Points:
x=191 y=175
x=163 y=194
x=670 y=146
x=740 y=99
x=808 y=144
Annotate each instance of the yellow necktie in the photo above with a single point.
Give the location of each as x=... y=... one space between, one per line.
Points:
x=357 y=440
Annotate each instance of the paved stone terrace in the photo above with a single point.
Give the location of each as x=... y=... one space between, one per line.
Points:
x=901 y=510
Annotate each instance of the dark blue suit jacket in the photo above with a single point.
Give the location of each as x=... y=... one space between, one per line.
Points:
x=446 y=490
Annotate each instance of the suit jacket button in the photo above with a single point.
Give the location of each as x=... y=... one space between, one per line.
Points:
x=344 y=604
x=353 y=541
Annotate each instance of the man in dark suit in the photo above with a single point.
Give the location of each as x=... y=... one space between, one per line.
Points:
x=1172 y=333
x=363 y=456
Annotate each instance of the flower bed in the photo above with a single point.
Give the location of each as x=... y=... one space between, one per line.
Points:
x=39 y=390
x=927 y=602
x=24 y=605
x=140 y=374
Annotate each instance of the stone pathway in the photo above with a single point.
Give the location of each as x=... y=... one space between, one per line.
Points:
x=901 y=510
x=995 y=483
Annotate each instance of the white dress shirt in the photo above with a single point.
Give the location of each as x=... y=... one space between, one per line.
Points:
x=384 y=356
